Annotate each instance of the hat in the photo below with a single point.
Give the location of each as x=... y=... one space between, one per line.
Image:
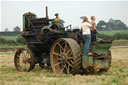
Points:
x=56 y=14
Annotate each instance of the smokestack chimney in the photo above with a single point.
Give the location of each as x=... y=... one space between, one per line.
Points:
x=46 y=12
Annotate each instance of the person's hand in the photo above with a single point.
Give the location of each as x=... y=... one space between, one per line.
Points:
x=88 y=21
x=94 y=28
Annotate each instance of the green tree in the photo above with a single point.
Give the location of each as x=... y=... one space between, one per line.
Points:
x=101 y=25
x=20 y=40
x=16 y=29
x=111 y=25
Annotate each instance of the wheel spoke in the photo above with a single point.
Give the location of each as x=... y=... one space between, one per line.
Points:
x=65 y=47
x=27 y=55
x=28 y=60
x=56 y=54
x=61 y=51
x=69 y=63
x=22 y=66
x=58 y=64
x=24 y=60
x=70 y=54
x=62 y=69
x=60 y=46
x=67 y=68
x=27 y=65
x=23 y=55
x=69 y=58
x=69 y=51
x=21 y=59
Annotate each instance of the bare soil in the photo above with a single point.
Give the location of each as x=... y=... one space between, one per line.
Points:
x=7 y=49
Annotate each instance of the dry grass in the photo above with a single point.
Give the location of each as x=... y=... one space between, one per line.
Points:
x=117 y=74
x=119 y=52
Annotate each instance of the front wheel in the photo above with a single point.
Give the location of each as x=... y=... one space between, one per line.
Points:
x=24 y=60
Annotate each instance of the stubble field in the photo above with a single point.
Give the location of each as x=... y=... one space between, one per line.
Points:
x=117 y=74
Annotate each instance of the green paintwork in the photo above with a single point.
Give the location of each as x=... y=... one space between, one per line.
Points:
x=23 y=22
x=97 y=63
x=85 y=61
x=62 y=31
x=26 y=20
x=100 y=47
x=90 y=59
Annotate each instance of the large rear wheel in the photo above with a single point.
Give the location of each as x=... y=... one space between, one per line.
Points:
x=24 y=60
x=65 y=56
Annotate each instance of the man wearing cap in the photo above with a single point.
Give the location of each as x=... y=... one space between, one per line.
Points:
x=57 y=20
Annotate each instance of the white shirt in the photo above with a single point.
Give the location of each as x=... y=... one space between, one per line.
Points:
x=85 y=26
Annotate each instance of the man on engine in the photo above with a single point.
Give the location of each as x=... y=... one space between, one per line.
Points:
x=57 y=21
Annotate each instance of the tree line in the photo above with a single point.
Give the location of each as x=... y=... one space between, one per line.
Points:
x=15 y=29
x=111 y=25
x=101 y=25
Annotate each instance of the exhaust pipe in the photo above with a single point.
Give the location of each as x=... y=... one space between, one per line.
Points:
x=46 y=12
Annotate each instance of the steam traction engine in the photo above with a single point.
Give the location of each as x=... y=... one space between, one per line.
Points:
x=59 y=47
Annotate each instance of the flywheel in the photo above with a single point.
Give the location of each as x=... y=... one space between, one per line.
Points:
x=65 y=56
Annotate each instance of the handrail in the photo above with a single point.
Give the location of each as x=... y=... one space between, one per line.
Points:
x=31 y=24
x=68 y=26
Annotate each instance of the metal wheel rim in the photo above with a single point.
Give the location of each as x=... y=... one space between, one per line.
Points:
x=70 y=56
x=62 y=58
x=23 y=60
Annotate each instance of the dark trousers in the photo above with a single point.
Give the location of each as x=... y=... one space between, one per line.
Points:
x=93 y=35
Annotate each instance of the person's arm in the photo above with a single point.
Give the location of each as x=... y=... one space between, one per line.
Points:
x=90 y=26
x=94 y=26
x=81 y=30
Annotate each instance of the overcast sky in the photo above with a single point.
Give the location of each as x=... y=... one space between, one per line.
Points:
x=69 y=11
